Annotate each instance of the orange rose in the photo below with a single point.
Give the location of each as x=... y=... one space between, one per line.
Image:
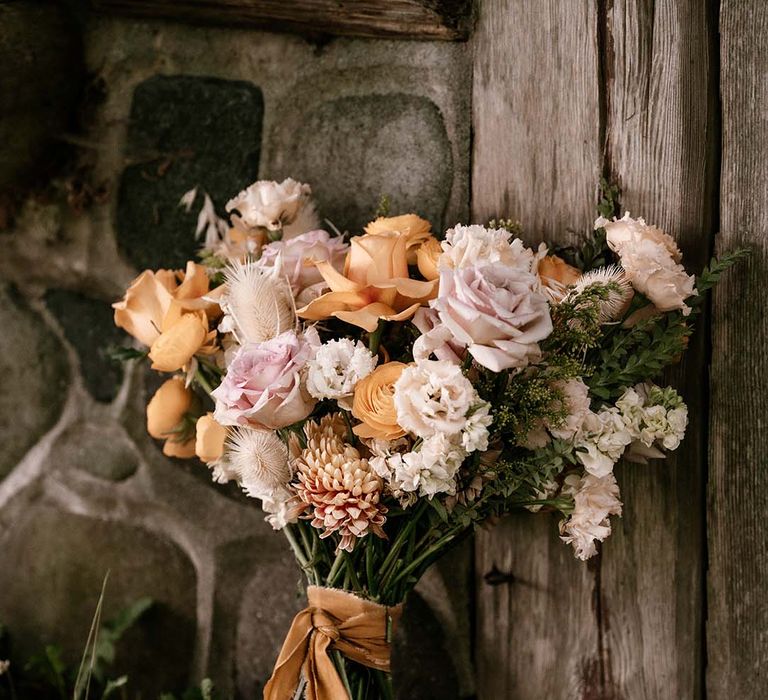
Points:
x=374 y=403
x=415 y=229
x=165 y=412
x=555 y=275
x=374 y=285
x=210 y=438
x=427 y=257
x=149 y=297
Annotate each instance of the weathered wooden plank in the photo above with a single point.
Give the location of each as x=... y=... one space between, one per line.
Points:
x=536 y=158
x=536 y=115
x=737 y=624
x=415 y=19
x=661 y=140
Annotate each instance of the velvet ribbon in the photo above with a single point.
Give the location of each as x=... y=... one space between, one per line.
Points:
x=359 y=629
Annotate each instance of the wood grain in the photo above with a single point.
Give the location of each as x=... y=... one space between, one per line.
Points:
x=661 y=140
x=737 y=625
x=415 y=19
x=536 y=158
x=536 y=150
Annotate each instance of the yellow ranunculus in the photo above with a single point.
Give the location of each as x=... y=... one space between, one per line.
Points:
x=165 y=411
x=374 y=285
x=374 y=403
x=427 y=257
x=416 y=231
x=210 y=438
x=148 y=300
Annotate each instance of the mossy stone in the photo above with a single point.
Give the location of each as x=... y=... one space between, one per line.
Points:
x=88 y=325
x=184 y=132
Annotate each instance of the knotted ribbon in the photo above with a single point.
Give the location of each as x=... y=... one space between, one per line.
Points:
x=334 y=619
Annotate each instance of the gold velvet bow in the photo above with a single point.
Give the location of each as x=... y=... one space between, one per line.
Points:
x=335 y=619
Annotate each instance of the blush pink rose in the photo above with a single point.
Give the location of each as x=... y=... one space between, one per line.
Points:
x=299 y=253
x=496 y=312
x=263 y=386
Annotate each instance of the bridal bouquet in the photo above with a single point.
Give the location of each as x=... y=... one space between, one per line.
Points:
x=383 y=393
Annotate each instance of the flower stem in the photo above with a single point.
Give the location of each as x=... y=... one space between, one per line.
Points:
x=374 y=339
x=335 y=568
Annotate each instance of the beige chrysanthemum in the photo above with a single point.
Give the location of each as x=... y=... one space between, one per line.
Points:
x=337 y=486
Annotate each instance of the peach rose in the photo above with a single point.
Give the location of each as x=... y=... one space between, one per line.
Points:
x=148 y=299
x=374 y=285
x=415 y=229
x=210 y=438
x=165 y=411
x=374 y=403
x=427 y=258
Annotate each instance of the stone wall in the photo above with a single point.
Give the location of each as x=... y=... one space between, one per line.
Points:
x=83 y=489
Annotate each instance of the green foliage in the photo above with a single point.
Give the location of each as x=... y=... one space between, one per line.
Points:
x=511 y=225
x=608 y=204
x=125 y=354
x=46 y=675
x=710 y=275
x=637 y=354
x=576 y=323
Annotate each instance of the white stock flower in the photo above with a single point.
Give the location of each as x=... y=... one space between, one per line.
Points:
x=656 y=418
x=271 y=205
x=336 y=368
x=433 y=397
x=431 y=469
x=278 y=507
x=473 y=246
x=427 y=470
x=576 y=400
x=651 y=261
x=601 y=441
x=594 y=500
x=474 y=437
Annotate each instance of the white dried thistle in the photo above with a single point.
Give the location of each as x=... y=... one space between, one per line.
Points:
x=258 y=301
x=619 y=291
x=258 y=459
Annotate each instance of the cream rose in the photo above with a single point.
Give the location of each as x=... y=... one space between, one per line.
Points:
x=263 y=386
x=496 y=312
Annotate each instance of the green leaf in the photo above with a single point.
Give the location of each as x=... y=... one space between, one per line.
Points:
x=125 y=354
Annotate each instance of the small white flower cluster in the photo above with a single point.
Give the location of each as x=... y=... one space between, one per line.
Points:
x=602 y=440
x=438 y=404
x=657 y=419
x=336 y=368
x=4 y=666
x=645 y=420
x=595 y=499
